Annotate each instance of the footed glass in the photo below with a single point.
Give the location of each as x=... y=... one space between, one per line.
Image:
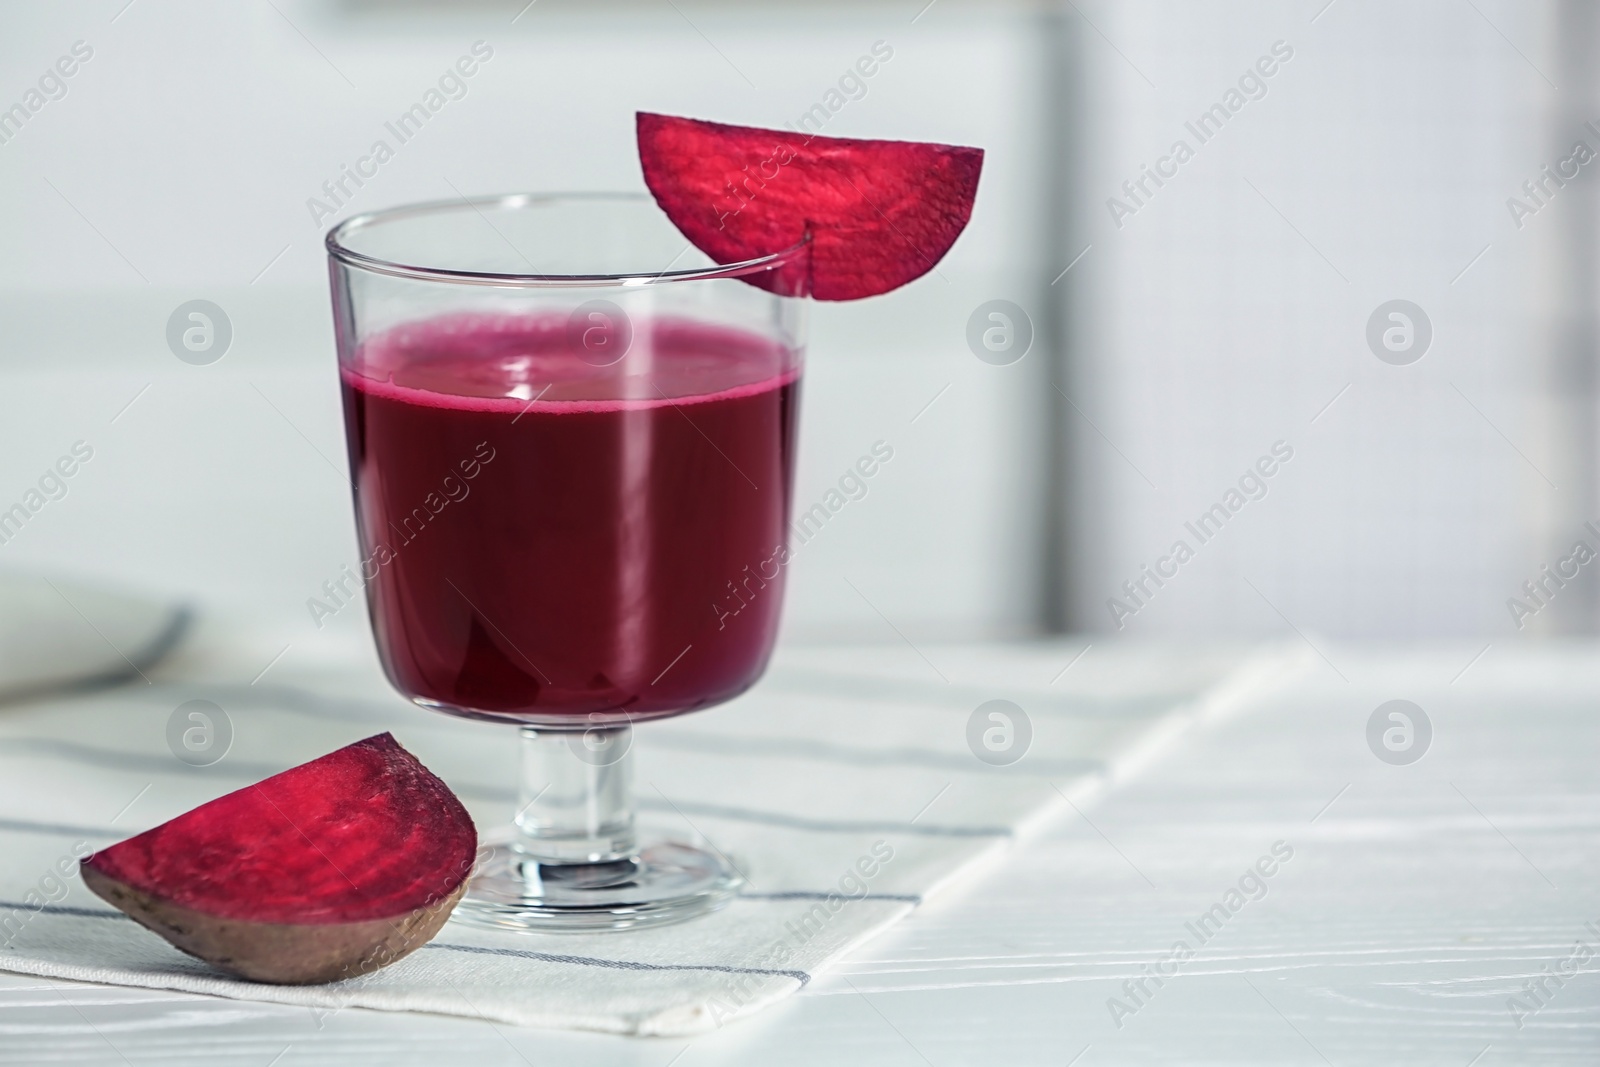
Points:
x=572 y=444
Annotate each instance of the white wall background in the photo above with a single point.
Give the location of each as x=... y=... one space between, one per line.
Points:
x=1224 y=316
x=1231 y=309
x=179 y=164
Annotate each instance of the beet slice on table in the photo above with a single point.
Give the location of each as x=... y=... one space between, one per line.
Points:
x=326 y=871
x=880 y=213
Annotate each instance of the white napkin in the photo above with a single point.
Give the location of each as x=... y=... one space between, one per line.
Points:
x=58 y=634
x=844 y=787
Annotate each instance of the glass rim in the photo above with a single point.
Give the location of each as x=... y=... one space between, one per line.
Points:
x=338 y=248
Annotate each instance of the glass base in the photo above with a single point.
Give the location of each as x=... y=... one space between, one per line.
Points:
x=664 y=882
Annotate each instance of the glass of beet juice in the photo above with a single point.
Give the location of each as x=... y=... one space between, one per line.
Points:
x=572 y=439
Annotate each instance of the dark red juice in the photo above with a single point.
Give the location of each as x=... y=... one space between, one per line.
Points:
x=549 y=541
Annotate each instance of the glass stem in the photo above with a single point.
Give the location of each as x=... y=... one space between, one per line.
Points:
x=575 y=799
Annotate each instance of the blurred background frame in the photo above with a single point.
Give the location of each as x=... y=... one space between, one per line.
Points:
x=1193 y=317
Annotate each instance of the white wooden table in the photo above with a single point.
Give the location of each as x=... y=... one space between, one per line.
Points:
x=1417 y=901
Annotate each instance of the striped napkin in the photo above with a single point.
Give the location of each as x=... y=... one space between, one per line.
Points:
x=850 y=786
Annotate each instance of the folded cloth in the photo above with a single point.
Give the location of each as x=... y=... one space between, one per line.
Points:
x=57 y=634
x=849 y=786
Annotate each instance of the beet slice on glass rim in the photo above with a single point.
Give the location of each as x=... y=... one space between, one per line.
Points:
x=326 y=871
x=879 y=213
